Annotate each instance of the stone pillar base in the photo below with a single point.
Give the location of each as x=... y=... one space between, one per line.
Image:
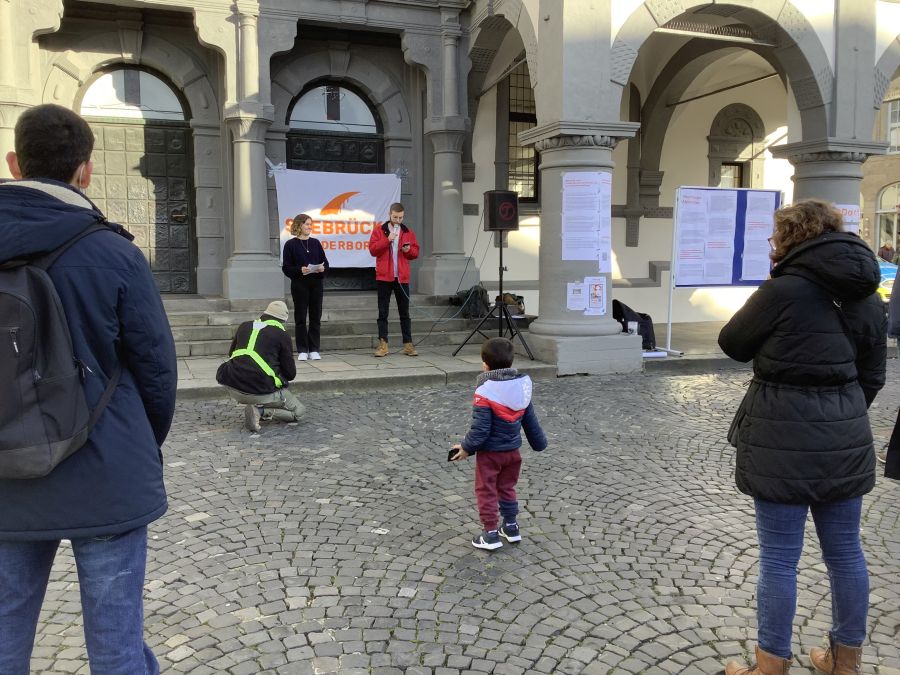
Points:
x=440 y=275
x=595 y=355
x=248 y=278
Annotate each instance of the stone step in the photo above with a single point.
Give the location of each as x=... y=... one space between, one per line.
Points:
x=193 y=333
x=329 y=343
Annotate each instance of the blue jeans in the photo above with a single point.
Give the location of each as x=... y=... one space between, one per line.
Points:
x=111 y=579
x=780 y=529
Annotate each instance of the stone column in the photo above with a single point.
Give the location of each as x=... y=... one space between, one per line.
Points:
x=251 y=271
x=442 y=270
x=446 y=268
x=829 y=168
x=575 y=342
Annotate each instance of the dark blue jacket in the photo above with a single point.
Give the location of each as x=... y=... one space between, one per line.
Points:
x=113 y=483
x=501 y=408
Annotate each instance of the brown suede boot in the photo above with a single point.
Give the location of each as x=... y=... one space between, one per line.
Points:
x=410 y=349
x=766 y=664
x=838 y=659
x=382 y=349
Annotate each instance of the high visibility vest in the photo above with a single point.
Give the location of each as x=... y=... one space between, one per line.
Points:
x=250 y=350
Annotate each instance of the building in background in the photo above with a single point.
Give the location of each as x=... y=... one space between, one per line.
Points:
x=458 y=97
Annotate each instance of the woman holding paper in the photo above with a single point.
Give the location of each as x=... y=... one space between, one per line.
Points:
x=305 y=265
x=816 y=334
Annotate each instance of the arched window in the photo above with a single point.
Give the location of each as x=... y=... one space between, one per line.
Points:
x=735 y=147
x=333 y=108
x=888 y=214
x=333 y=128
x=131 y=94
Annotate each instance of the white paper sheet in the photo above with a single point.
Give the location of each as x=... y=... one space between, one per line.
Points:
x=850 y=213
x=576 y=296
x=581 y=215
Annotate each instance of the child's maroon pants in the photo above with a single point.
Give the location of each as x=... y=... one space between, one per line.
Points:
x=496 y=475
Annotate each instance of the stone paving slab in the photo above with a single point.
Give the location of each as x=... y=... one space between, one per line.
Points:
x=341 y=544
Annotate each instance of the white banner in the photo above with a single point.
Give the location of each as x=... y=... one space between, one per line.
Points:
x=344 y=207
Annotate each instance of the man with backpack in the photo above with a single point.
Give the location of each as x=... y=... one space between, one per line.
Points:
x=85 y=402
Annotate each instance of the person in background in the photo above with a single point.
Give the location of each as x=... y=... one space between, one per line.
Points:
x=260 y=367
x=393 y=245
x=892 y=452
x=305 y=264
x=887 y=252
x=816 y=334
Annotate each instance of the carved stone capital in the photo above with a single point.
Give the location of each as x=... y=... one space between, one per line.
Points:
x=248 y=129
x=576 y=134
x=828 y=150
x=558 y=142
x=445 y=140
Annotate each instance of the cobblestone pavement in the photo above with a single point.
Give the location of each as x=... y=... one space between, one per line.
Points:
x=341 y=544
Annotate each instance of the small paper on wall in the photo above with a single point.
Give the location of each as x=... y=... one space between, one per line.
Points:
x=576 y=296
x=850 y=213
x=596 y=296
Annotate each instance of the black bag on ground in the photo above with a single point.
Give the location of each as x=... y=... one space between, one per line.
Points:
x=44 y=416
x=623 y=314
x=475 y=302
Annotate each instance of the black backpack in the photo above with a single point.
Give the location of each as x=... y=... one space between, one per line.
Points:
x=44 y=416
x=475 y=302
x=623 y=314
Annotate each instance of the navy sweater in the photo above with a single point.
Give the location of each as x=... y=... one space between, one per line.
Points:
x=296 y=257
x=501 y=408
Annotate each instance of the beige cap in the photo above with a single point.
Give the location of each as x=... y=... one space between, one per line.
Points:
x=278 y=309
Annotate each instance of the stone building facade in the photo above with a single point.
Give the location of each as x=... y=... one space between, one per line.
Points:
x=190 y=100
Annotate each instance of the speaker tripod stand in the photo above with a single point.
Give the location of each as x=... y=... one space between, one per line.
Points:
x=500 y=312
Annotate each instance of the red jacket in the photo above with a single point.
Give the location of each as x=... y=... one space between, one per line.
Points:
x=380 y=248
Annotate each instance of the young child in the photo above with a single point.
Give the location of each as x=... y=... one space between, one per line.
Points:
x=502 y=406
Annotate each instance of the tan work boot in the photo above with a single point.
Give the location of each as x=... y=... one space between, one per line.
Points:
x=382 y=349
x=410 y=349
x=838 y=659
x=766 y=664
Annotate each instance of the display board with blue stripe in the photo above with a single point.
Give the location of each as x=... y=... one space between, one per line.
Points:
x=721 y=236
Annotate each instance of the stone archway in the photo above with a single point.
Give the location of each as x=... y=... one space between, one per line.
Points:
x=74 y=66
x=346 y=67
x=798 y=50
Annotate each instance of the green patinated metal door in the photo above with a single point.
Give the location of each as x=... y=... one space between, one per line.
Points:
x=142 y=179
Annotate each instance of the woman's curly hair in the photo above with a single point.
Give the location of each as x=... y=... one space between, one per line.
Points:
x=800 y=222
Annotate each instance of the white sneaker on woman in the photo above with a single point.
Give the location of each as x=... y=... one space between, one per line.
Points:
x=314 y=356
x=303 y=356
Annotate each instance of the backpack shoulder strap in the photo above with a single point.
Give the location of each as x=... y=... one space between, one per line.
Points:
x=47 y=260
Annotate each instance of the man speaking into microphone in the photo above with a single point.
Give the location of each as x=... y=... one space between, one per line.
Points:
x=393 y=245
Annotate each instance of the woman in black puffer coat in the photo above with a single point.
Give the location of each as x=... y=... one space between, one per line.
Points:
x=816 y=333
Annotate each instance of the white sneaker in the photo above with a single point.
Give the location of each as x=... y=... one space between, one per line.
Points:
x=314 y=356
x=303 y=356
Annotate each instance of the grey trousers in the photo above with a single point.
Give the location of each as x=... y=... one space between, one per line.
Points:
x=284 y=405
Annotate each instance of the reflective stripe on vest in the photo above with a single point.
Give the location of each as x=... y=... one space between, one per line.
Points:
x=249 y=350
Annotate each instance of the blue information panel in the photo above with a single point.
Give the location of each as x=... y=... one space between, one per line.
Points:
x=721 y=236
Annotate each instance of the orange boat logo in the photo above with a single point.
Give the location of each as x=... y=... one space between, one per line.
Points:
x=336 y=204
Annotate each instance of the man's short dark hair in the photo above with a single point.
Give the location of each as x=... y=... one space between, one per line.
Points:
x=498 y=353
x=397 y=207
x=51 y=142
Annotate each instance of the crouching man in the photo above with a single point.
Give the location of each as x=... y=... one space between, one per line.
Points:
x=259 y=369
